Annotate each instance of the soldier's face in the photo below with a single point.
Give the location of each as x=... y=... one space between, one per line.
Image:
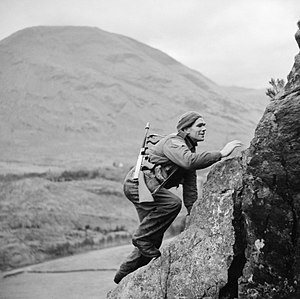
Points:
x=197 y=130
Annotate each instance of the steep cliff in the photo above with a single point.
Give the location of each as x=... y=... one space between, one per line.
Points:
x=243 y=238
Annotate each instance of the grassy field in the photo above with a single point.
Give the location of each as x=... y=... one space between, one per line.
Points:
x=49 y=215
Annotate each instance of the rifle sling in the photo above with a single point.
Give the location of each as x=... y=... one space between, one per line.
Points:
x=165 y=181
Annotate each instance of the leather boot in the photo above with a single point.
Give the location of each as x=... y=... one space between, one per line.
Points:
x=146 y=248
x=119 y=276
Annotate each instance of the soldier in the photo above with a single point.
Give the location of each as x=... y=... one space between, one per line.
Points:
x=175 y=162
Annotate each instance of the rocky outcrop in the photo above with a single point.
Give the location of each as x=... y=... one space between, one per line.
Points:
x=270 y=201
x=195 y=264
x=243 y=238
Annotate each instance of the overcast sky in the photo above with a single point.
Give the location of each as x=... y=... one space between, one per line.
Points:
x=232 y=42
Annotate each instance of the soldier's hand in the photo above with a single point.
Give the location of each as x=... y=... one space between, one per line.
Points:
x=229 y=147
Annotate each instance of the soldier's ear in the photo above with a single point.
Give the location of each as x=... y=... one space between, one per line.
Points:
x=187 y=130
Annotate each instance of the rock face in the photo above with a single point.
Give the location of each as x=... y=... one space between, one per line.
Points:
x=195 y=264
x=243 y=238
x=270 y=201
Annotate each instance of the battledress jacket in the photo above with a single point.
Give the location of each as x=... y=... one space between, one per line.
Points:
x=179 y=151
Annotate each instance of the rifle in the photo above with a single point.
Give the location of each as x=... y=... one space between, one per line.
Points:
x=144 y=193
x=141 y=154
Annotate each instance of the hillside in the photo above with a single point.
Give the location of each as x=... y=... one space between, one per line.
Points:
x=81 y=96
x=74 y=103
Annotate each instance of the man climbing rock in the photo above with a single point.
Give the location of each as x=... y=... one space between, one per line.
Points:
x=173 y=161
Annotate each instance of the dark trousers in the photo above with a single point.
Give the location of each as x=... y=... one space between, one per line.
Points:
x=155 y=218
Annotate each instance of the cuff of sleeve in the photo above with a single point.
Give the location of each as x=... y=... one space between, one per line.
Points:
x=218 y=156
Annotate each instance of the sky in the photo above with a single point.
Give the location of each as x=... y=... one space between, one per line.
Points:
x=232 y=42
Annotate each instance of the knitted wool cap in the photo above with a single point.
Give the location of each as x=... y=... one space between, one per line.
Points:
x=187 y=119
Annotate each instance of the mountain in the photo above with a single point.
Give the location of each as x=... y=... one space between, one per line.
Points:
x=82 y=96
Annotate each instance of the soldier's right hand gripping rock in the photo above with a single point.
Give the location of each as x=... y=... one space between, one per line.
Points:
x=170 y=162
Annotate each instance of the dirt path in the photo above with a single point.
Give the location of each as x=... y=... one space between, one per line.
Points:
x=84 y=276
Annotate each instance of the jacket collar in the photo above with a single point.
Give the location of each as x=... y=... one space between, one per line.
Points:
x=189 y=142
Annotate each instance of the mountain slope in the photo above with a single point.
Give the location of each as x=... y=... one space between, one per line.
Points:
x=82 y=96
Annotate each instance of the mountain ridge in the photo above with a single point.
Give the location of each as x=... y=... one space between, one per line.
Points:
x=68 y=90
